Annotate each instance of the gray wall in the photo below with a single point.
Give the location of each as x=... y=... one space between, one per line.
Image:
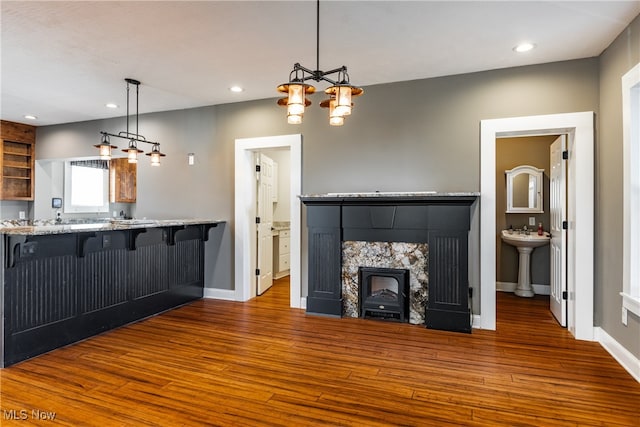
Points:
x=175 y=189
x=617 y=59
x=10 y=209
x=415 y=135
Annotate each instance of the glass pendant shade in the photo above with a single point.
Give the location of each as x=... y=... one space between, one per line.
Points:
x=295 y=103
x=105 y=151
x=155 y=159
x=155 y=155
x=132 y=152
x=296 y=100
x=294 y=119
x=132 y=156
x=335 y=119
x=104 y=148
x=343 y=100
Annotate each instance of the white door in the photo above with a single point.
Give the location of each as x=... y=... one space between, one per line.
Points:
x=558 y=249
x=265 y=213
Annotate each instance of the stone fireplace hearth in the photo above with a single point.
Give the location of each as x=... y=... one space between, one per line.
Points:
x=411 y=256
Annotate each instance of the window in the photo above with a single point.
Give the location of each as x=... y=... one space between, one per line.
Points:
x=631 y=155
x=86 y=184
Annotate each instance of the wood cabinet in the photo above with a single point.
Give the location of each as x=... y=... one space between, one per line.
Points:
x=17 y=160
x=122 y=181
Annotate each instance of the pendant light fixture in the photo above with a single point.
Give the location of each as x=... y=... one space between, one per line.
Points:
x=105 y=147
x=340 y=93
x=132 y=150
x=155 y=155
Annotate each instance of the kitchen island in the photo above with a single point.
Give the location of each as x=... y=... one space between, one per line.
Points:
x=65 y=282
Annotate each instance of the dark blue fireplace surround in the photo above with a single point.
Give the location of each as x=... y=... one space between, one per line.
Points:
x=442 y=220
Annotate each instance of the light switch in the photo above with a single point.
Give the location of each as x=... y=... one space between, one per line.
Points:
x=532 y=220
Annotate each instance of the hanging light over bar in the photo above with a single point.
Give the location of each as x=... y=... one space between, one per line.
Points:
x=155 y=155
x=105 y=147
x=132 y=150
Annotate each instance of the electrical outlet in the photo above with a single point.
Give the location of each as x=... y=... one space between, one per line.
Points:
x=532 y=220
x=22 y=215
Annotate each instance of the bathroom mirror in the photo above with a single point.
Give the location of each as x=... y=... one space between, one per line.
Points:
x=524 y=189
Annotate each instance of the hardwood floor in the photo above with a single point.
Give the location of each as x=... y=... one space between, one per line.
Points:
x=263 y=364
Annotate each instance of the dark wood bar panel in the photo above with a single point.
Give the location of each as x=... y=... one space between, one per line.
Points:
x=62 y=287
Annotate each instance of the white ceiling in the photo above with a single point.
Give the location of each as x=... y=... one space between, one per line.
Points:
x=64 y=60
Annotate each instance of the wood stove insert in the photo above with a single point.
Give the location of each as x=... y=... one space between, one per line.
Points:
x=384 y=293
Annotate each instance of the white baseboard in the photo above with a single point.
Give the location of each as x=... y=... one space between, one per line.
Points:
x=225 y=294
x=511 y=287
x=623 y=356
x=281 y=274
x=476 y=321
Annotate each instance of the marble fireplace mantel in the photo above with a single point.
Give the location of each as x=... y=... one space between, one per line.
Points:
x=390 y=196
x=439 y=219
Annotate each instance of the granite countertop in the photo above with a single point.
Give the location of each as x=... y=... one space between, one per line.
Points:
x=281 y=225
x=393 y=194
x=47 y=227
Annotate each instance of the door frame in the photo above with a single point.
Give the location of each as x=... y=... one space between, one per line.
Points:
x=245 y=213
x=579 y=128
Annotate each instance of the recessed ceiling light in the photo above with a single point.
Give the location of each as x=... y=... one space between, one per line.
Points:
x=30 y=117
x=524 y=47
x=111 y=105
x=236 y=89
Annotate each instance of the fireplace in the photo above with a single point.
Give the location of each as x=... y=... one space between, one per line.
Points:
x=384 y=293
x=413 y=257
x=339 y=223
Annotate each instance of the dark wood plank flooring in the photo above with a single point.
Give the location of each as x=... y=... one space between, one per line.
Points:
x=261 y=363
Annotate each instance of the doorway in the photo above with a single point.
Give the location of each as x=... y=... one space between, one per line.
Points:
x=245 y=213
x=579 y=127
x=531 y=195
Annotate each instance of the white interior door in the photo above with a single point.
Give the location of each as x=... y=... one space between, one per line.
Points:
x=558 y=250
x=264 y=232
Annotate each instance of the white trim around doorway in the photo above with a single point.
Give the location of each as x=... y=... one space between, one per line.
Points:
x=580 y=211
x=245 y=196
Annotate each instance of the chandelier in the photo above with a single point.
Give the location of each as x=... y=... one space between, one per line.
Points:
x=132 y=150
x=340 y=92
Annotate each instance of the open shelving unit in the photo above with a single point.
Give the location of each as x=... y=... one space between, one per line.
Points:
x=17 y=160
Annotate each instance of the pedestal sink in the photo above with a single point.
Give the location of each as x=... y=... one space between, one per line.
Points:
x=525 y=243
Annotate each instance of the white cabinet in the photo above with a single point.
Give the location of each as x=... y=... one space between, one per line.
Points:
x=281 y=253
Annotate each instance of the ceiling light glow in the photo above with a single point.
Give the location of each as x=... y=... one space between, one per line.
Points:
x=30 y=117
x=111 y=105
x=236 y=89
x=524 y=47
